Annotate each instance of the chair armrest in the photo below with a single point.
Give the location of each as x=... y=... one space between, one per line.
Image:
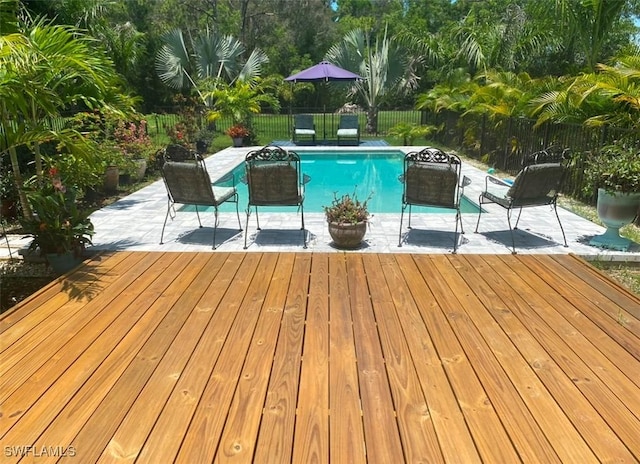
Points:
x=227 y=177
x=495 y=180
x=465 y=181
x=305 y=178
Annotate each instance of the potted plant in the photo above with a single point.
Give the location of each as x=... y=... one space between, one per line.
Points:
x=60 y=230
x=237 y=132
x=615 y=173
x=347 y=218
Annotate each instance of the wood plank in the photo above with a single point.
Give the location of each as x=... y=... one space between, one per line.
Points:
x=594 y=278
x=450 y=339
x=416 y=430
x=518 y=395
x=243 y=419
x=127 y=440
x=73 y=285
x=414 y=296
x=137 y=326
x=346 y=434
x=70 y=366
x=321 y=357
x=203 y=435
x=275 y=439
x=610 y=361
x=223 y=297
x=381 y=432
x=34 y=328
x=311 y=434
x=598 y=309
x=567 y=388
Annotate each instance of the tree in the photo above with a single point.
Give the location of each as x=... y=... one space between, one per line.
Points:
x=46 y=69
x=591 y=23
x=215 y=58
x=385 y=66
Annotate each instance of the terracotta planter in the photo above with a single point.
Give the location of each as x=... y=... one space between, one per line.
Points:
x=347 y=236
x=615 y=210
x=111 y=179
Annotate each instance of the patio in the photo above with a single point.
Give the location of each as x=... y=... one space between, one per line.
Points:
x=538 y=233
x=324 y=357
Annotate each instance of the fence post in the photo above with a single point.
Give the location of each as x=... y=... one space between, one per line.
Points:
x=505 y=153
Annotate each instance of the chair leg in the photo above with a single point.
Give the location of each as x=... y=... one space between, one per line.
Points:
x=479 y=213
x=513 y=240
x=215 y=226
x=304 y=232
x=165 y=220
x=246 y=229
x=555 y=208
x=238 y=213
x=455 y=234
x=257 y=218
x=518 y=220
x=198 y=215
x=401 y=218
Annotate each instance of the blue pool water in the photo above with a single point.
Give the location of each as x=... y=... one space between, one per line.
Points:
x=366 y=173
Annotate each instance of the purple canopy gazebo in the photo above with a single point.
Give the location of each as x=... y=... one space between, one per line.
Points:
x=323 y=72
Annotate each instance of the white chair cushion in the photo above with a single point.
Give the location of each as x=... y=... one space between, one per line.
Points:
x=347 y=132
x=305 y=132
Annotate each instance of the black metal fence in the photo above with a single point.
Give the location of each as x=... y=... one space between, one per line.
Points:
x=502 y=143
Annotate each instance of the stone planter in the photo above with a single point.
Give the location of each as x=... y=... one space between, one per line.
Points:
x=347 y=236
x=61 y=263
x=238 y=141
x=615 y=210
x=141 y=169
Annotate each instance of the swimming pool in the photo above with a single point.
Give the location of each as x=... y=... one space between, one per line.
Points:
x=364 y=172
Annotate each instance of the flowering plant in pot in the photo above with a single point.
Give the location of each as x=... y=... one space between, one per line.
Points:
x=58 y=226
x=237 y=132
x=347 y=217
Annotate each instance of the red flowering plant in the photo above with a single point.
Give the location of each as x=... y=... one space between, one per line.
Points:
x=57 y=224
x=237 y=131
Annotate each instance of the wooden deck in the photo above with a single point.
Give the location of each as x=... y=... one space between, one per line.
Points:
x=309 y=357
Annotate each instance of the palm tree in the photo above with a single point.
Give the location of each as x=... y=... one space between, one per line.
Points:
x=611 y=95
x=48 y=68
x=386 y=67
x=215 y=58
x=590 y=23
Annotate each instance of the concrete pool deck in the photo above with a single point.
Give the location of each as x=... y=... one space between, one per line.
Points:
x=134 y=223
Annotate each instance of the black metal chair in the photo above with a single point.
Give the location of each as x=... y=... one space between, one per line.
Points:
x=274 y=178
x=432 y=178
x=303 y=126
x=179 y=153
x=537 y=184
x=189 y=183
x=349 y=128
